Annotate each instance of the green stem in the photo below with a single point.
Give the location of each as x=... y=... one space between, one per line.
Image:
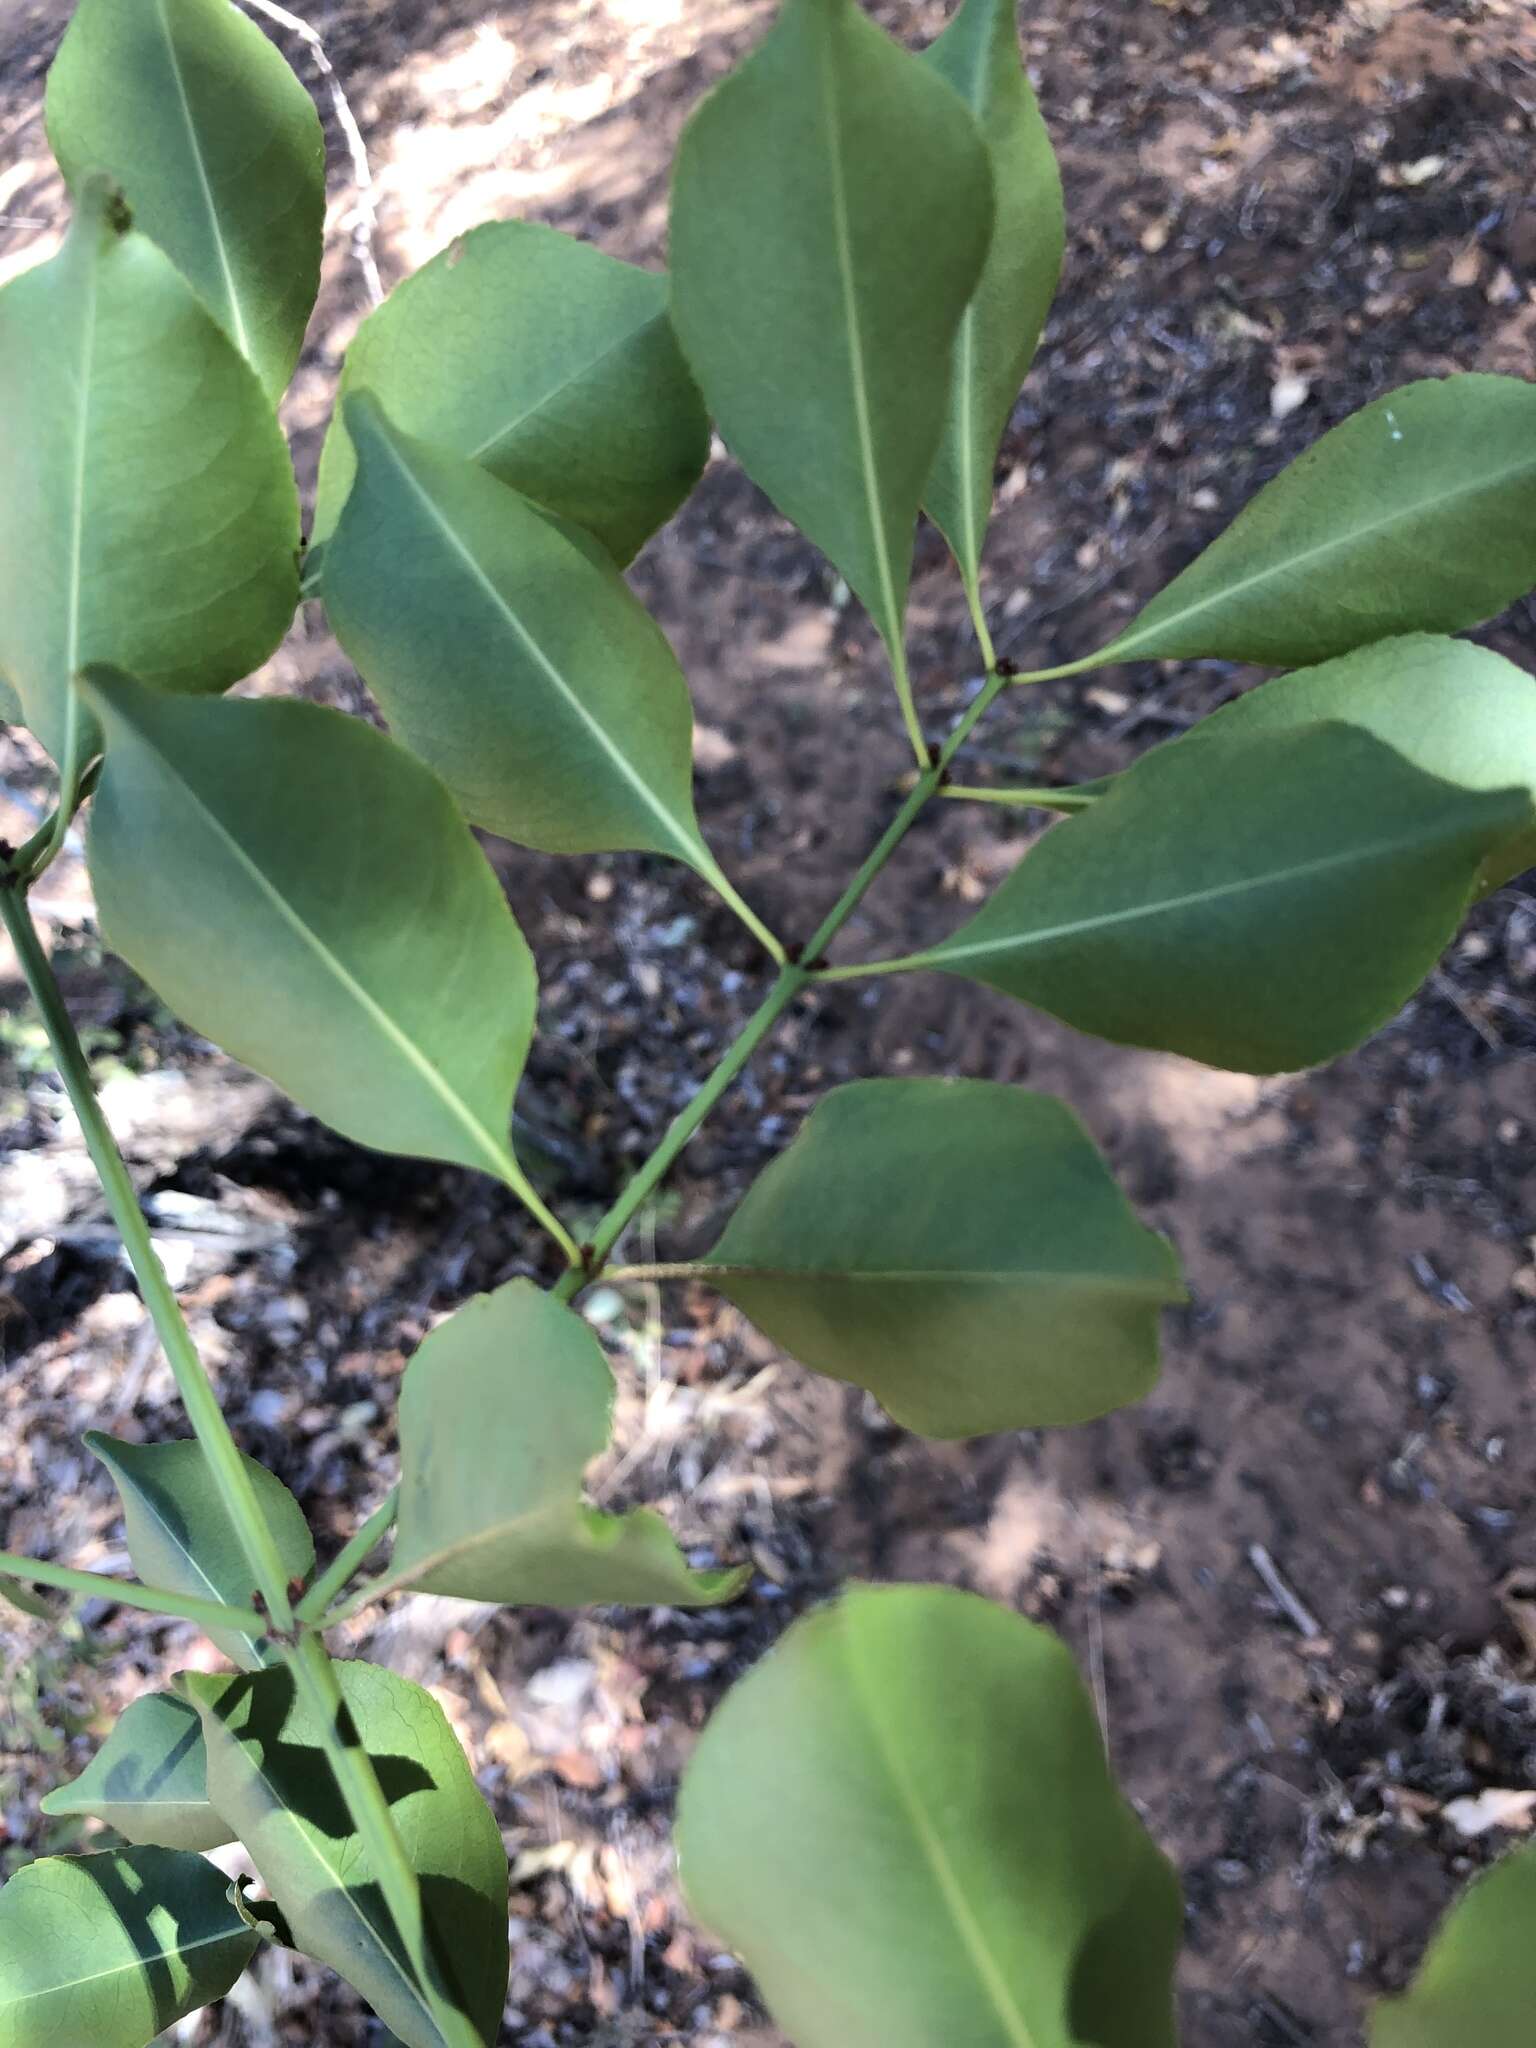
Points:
x=208 y=1614
x=909 y=718
x=635 y=1276
x=312 y=1609
x=792 y=978
x=979 y=620
x=515 y=1178
x=1039 y=799
x=1106 y=657
x=725 y=889
x=358 y=1783
x=198 y=1398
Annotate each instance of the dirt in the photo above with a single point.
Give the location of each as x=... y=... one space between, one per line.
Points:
x=1278 y=211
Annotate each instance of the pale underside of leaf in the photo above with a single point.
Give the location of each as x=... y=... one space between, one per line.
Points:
x=135 y=1967
x=145 y=1501
x=675 y=831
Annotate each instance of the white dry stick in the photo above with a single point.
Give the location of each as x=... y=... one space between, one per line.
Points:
x=1280 y=1592
x=365 y=214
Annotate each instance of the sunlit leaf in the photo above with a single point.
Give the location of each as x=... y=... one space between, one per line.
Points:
x=516 y=664
x=979 y=55
x=831 y=212
x=147 y=507
x=218 y=150
x=1477 y=1986
x=502 y=1409
x=149 y=1779
x=1260 y=903
x=546 y=361
x=268 y=1773
x=181 y=1534
x=904 y=1821
x=107 y=1951
x=960 y=1249
x=1457 y=711
x=1417 y=514
x=300 y=890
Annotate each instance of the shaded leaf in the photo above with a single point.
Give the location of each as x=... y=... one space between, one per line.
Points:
x=303 y=892
x=1459 y=712
x=1417 y=514
x=518 y=666
x=181 y=1535
x=904 y=1820
x=960 y=1249
x=552 y=365
x=269 y=1774
x=23 y=1598
x=1258 y=903
x=1000 y=330
x=147 y=507
x=112 y=1949
x=502 y=1409
x=831 y=212
x=1477 y=1986
x=149 y=1779
x=218 y=149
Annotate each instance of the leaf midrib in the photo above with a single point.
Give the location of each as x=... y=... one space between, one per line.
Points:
x=854 y=333
x=947 y=956
x=310 y=1845
x=556 y=391
x=237 y=315
x=677 y=834
x=972 y=1937
x=1175 y=621
x=136 y=1967
x=69 y=758
x=148 y=1503
x=1129 y=1284
x=497 y=1160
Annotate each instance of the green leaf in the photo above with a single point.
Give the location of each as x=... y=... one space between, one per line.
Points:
x=303 y=892
x=1459 y=712
x=12 y=1591
x=149 y=1779
x=979 y=55
x=1260 y=903
x=502 y=1409
x=110 y=1950
x=218 y=149
x=181 y=1535
x=269 y=1774
x=516 y=664
x=960 y=1249
x=904 y=1820
x=546 y=361
x=1417 y=514
x=148 y=514
x=831 y=212
x=1477 y=1986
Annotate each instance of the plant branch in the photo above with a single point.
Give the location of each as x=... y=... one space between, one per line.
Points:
x=1037 y=799
x=358 y=1783
x=198 y=1397
x=208 y=1614
x=726 y=890
x=792 y=978
x=313 y=1608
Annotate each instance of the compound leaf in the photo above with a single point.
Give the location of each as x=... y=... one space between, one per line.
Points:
x=503 y=1408
x=831 y=212
x=552 y=365
x=268 y=1773
x=180 y=1532
x=149 y=1779
x=1459 y=712
x=218 y=149
x=112 y=1949
x=516 y=663
x=303 y=892
x=996 y=1280
x=1260 y=903
x=904 y=1820
x=1000 y=329
x=148 y=514
x=1417 y=514
x=1478 y=1982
